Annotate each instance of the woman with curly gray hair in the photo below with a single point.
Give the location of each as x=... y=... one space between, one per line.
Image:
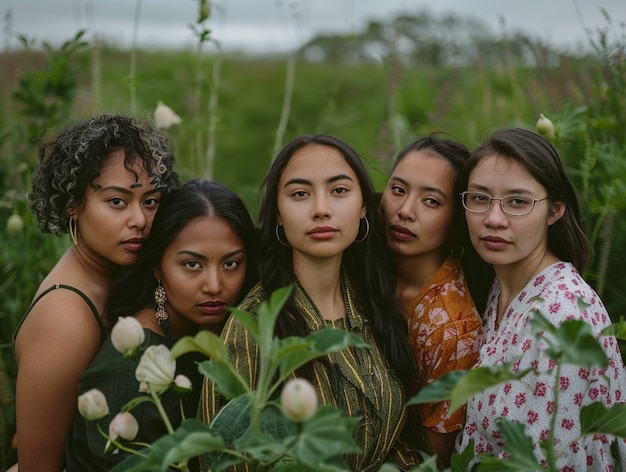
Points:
x=100 y=181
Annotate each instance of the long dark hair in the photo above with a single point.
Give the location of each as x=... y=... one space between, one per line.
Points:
x=478 y=274
x=566 y=237
x=367 y=263
x=134 y=288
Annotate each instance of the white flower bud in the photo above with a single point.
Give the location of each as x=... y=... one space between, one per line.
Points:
x=299 y=400
x=157 y=368
x=182 y=381
x=93 y=405
x=164 y=116
x=124 y=426
x=127 y=335
x=15 y=225
x=545 y=127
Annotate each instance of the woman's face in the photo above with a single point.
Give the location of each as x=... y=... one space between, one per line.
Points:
x=320 y=203
x=418 y=204
x=202 y=271
x=502 y=239
x=117 y=214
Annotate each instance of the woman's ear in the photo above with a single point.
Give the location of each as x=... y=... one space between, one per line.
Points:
x=363 y=212
x=556 y=212
x=157 y=273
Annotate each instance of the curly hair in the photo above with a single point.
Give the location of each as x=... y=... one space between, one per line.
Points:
x=69 y=162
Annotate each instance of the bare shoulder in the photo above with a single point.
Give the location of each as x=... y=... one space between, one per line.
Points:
x=61 y=320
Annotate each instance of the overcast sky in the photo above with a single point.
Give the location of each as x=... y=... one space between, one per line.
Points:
x=277 y=25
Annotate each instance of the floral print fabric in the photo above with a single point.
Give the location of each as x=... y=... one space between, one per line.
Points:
x=445 y=331
x=555 y=293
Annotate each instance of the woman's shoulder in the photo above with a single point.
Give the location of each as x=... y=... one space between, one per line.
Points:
x=564 y=294
x=253 y=299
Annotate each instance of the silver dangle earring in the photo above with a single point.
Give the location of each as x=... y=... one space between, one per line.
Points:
x=367 y=230
x=73 y=228
x=160 y=299
x=278 y=237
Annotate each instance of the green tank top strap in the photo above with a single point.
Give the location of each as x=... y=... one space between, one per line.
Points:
x=94 y=311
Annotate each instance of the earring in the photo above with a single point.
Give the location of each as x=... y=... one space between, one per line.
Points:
x=367 y=230
x=160 y=299
x=73 y=229
x=278 y=237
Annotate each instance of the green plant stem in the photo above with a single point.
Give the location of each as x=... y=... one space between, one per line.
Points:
x=212 y=111
x=159 y=406
x=550 y=446
x=284 y=114
x=133 y=60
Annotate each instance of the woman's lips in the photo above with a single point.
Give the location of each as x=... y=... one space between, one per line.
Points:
x=400 y=233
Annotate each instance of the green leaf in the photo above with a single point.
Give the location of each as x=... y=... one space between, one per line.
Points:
x=204 y=341
x=439 y=390
x=616 y=329
x=460 y=462
x=328 y=433
x=598 y=419
x=191 y=439
x=572 y=342
x=227 y=381
x=268 y=311
x=482 y=378
x=460 y=386
x=292 y=353
x=247 y=320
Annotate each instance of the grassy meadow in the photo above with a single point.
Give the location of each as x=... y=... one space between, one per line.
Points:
x=377 y=106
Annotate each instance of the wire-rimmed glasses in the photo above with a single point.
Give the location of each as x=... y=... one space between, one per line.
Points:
x=514 y=205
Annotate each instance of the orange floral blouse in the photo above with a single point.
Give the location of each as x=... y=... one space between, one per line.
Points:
x=445 y=330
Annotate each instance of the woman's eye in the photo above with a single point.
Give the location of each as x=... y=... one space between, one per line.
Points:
x=151 y=202
x=397 y=190
x=340 y=190
x=116 y=201
x=192 y=264
x=231 y=265
x=432 y=202
x=299 y=194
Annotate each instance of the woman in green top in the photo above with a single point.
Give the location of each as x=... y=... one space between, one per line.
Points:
x=321 y=231
x=201 y=255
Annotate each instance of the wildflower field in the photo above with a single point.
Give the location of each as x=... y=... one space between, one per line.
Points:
x=236 y=110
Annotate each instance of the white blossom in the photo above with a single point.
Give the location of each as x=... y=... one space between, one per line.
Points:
x=127 y=335
x=165 y=117
x=299 y=400
x=93 y=405
x=156 y=368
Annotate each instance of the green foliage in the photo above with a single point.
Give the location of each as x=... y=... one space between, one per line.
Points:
x=252 y=427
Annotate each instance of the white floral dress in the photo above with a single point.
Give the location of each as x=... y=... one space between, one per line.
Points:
x=555 y=293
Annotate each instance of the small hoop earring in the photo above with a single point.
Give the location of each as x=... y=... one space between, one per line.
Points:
x=367 y=230
x=278 y=237
x=73 y=230
x=160 y=299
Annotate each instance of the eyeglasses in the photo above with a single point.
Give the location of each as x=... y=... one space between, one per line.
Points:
x=514 y=205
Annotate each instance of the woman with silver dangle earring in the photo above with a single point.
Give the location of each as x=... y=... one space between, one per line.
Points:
x=314 y=237
x=101 y=180
x=182 y=282
x=523 y=218
x=423 y=215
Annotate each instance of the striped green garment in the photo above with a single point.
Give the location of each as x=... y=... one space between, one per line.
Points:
x=355 y=380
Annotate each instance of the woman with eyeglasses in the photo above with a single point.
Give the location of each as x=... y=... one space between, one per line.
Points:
x=523 y=217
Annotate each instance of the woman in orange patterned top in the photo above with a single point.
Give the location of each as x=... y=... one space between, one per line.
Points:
x=420 y=204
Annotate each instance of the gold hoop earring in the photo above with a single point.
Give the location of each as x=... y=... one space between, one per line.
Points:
x=278 y=237
x=160 y=299
x=367 y=230
x=73 y=230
